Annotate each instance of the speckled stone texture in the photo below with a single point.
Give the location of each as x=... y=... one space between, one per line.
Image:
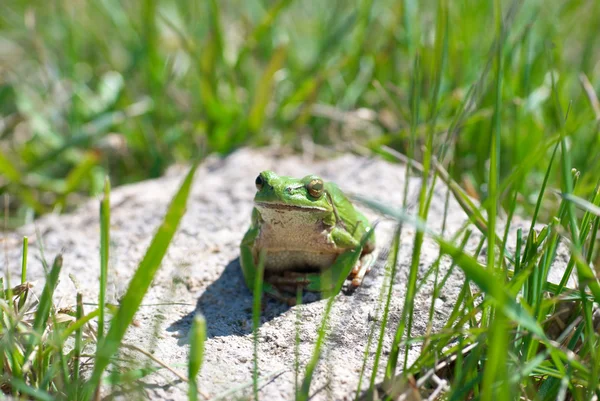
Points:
x=201 y=273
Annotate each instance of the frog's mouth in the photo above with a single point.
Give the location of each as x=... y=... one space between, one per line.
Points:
x=282 y=206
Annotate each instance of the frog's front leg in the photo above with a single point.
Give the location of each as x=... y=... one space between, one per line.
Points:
x=363 y=264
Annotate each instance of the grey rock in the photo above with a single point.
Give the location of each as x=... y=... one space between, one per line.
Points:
x=201 y=273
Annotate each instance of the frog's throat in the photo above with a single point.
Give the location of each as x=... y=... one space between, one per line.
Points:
x=281 y=206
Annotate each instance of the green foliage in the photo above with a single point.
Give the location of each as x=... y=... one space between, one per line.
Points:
x=126 y=89
x=34 y=357
x=38 y=358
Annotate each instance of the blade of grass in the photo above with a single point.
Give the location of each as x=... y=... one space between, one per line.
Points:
x=24 y=260
x=582 y=203
x=349 y=259
x=79 y=172
x=44 y=306
x=197 y=338
x=216 y=29
x=23 y=295
x=393 y=260
x=104 y=255
x=60 y=357
x=32 y=392
x=140 y=282
x=78 y=346
x=376 y=322
x=263 y=92
x=78 y=324
x=257 y=296
x=592 y=242
x=9 y=170
x=495 y=368
x=118 y=378
x=259 y=32
x=297 y=338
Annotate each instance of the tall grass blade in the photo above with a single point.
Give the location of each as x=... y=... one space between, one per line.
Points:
x=297 y=338
x=582 y=203
x=78 y=347
x=140 y=282
x=495 y=369
x=264 y=90
x=24 y=260
x=23 y=295
x=348 y=259
x=394 y=262
x=197 y=338
x=257 y=296
x=104 y=255
x=32 y=392
x=44 y=306
x=9 y=170
x=260 y=31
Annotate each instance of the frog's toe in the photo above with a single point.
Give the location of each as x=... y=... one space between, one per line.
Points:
x=289 y=281
x=272 y=290
x=360 y=275
x=361 y=269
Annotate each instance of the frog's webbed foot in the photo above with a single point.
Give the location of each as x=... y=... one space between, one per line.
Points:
x=272 y=290
x=282 y=286
x=291 y=280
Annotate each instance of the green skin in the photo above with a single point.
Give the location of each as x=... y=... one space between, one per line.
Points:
x=305 y=228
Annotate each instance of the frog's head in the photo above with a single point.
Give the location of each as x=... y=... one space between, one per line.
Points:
x=307 y=194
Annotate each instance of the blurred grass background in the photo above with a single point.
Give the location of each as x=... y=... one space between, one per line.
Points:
x=126 y=88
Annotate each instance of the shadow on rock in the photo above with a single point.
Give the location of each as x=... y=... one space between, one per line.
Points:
x=227 y=306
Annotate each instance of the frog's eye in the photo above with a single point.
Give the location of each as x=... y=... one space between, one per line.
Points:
x=260 y=182
x=315 y=187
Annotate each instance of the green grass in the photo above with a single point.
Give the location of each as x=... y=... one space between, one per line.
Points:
x=498 y=100
x=125 y=90
x=38 y=361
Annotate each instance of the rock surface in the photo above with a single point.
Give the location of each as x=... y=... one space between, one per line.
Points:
x=201 y=273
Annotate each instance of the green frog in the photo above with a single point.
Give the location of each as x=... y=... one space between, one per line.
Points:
x=305 y=228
